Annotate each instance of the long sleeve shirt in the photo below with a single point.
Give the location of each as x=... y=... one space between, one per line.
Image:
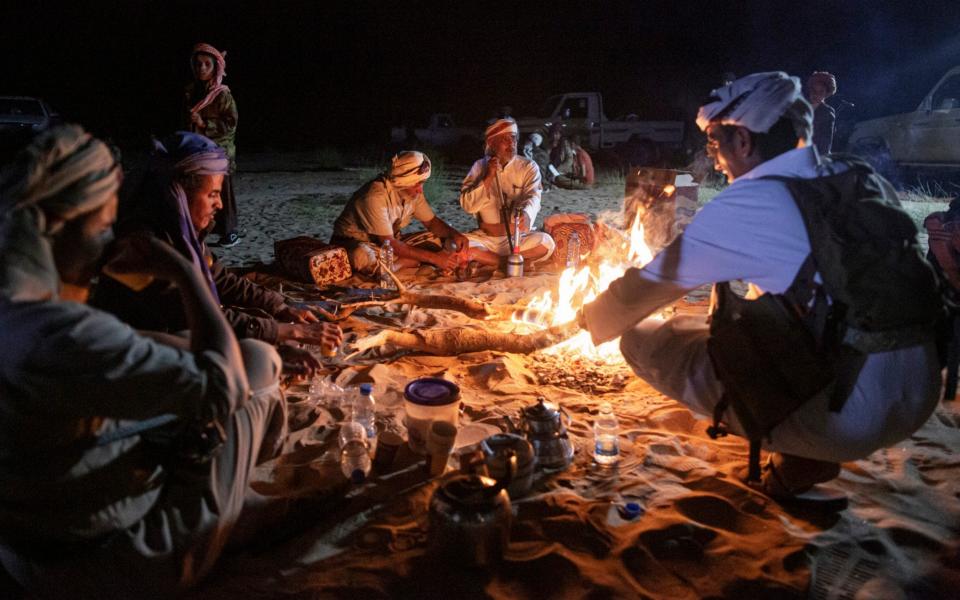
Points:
x=70 y=373
x=519 y=180
x=158 y=306
x=219 y=120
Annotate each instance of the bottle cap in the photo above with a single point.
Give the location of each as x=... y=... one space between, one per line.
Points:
x=632 y=510
x=366 y=389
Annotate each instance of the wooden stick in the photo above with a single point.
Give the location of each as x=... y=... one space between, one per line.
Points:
x=461 y=340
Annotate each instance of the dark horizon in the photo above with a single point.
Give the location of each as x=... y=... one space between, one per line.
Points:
x=307 y=75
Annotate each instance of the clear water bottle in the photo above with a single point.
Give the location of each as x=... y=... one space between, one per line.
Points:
x=386 y=257
x=606 y=440
x=573 y=251
x=354 y=452
x=364 y=412
x=326 y=393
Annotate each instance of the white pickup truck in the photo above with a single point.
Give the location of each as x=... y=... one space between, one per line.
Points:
x=925 y=139
x=581 y=114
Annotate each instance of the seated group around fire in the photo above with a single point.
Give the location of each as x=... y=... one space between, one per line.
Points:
x=501 y=190
x=126 y=459
x=127 y=453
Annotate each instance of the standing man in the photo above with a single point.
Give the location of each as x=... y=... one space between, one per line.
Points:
x=498 y=185
x=757 y=128
x=820 y=86
x=212 y=112
x=378 y=212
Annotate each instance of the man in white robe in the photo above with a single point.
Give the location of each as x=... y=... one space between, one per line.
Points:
x=497 y=187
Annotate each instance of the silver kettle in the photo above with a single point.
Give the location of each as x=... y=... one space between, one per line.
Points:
x=546 y=429
x=470 y=518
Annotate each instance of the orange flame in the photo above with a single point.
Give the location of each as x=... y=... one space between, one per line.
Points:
x=581 y=286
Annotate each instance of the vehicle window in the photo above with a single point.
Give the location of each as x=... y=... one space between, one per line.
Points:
x=548 y=107
x=574 y=108
x=20 y=107
x=947 y=96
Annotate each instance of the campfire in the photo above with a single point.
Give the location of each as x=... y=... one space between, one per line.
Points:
x=616 y=252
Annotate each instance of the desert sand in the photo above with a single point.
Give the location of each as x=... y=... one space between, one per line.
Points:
x=702 y=533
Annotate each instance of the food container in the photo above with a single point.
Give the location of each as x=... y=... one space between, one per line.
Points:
x=426 y=400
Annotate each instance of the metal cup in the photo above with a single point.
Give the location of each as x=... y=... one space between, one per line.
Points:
x=515 y=265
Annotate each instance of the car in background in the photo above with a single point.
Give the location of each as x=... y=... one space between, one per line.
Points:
x=927 y=139
x=23 y=113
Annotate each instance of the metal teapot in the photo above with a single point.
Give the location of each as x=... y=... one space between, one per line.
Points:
x=546 y=429
x=470 y=517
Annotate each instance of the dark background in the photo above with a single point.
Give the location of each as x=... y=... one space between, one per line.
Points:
x=310 y=74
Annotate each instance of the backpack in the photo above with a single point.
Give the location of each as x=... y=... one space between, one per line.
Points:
x=877 y=293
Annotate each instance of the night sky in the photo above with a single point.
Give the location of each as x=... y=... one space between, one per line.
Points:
x=309 y=74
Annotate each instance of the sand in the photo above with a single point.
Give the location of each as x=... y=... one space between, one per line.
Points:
x=702 y=533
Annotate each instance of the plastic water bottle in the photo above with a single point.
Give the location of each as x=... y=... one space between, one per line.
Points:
x=573 y=251
x=386 y=256
x=364 y=412
x=326 y=393
x=606 y=440
x=354 y=453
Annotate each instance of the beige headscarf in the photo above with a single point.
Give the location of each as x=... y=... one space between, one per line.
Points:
x=408 y=168
x=63 y=173
x=758 y=101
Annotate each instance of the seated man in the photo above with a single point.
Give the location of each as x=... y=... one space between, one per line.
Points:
x=125 y=461
x=497 y=186
x=379 y=210
x=573 y=166
x=758 y=128
x=177 y=202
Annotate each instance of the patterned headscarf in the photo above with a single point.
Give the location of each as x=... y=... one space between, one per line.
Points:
x=182 y=153
x=505 y=125
x=408 y=168
x=757 y=102
x=63 y=174
x=216 y=86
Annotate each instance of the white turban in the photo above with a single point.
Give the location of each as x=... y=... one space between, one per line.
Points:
x=536 y=138
x=408 y=168
x=757 y=102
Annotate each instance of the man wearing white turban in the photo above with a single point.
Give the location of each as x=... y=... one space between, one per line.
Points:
x=498 y=185
x=125 y=461
x=758 y=127
x=378 y=211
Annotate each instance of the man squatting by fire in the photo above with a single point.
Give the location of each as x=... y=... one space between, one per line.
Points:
x=93 y=507
x=379 y=211
x=497 y=185
x=759 y=126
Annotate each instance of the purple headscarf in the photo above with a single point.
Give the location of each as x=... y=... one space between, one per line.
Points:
x=185 y=153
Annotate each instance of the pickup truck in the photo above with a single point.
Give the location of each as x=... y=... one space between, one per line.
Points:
x=581 y=113
x=440 y=131
x=925 y=139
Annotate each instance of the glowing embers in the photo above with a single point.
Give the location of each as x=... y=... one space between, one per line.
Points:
x=616 y=252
